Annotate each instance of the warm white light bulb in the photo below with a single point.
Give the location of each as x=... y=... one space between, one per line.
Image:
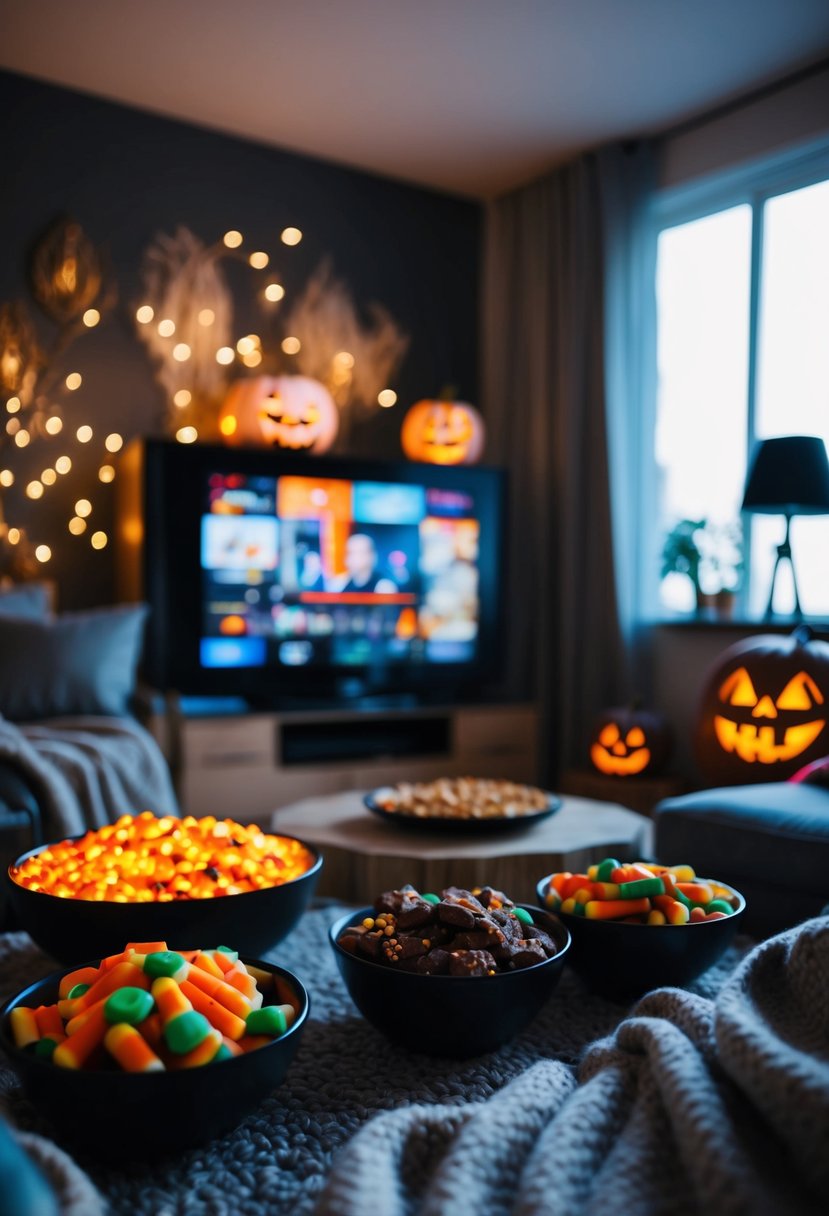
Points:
x=274 y=292
x=54 y=425
x=225 y=354
x=106 y=473
x=182 y=398
x=98 y=540
x=232 y=239
x=83 y=434
x=63 y=464
x=259 y=260
x=91 y=318
x=291 y=236
x=144 y=314
x=43 y=553
x=83 y=507
x=113 y=442
x=74 y=381
x=387 y=398
x=291 y=345
x=187 y=434
x=166 y=328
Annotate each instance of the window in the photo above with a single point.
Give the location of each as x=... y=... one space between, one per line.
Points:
x=742 y=354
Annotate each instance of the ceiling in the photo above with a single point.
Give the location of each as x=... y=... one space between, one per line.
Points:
x=468 y=96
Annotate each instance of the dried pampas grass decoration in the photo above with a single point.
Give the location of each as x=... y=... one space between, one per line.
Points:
x=183 y=280
x=354 y=361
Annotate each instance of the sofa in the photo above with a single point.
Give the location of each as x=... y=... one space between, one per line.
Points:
x=769 y=840
x=73 y=753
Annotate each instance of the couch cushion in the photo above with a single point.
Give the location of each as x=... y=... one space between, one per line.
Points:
x=26 y=599
x=770 y=841
x=77 y=663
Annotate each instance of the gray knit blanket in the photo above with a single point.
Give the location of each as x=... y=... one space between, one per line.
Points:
x=87 y=771
x=707 y=1102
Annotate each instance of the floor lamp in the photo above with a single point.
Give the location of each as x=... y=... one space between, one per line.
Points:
x=789 y=476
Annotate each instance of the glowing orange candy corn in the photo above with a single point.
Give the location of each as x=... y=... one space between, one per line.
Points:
x=131 y=1049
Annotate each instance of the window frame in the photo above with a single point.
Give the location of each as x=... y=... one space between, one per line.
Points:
x=753 y=184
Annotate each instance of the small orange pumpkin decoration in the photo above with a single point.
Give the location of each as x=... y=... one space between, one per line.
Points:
x=293 y=412
x=443 y=432
x=629 y=741
x=763 y=712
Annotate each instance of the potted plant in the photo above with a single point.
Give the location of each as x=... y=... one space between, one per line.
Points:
x=710 y=555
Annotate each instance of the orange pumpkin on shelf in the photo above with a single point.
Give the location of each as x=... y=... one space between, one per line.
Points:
x=763 y=711
x=293 y=412
x=443 y=432
x=629 y=742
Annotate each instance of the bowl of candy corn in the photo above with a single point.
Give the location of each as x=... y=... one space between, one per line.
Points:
x=150 y=1050
x=641 y=925
x=142 y=878
x=455 y=973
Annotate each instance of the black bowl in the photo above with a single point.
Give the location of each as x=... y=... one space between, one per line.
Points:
x=621 y=961
x=121 y=1116
x=463 y=827
x=252 y=922
x=447 y=1015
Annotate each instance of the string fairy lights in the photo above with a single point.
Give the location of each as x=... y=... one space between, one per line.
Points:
x=70 y=284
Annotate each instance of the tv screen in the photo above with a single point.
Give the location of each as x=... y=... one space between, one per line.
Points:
x=271 y=574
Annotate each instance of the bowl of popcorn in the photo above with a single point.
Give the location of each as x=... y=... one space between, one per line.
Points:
x=454 y=973
x=143 y=878
x=150 y=1051
x=462 y=804
x=642 y=925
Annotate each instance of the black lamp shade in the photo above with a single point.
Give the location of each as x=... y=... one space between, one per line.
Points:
x=789 y=476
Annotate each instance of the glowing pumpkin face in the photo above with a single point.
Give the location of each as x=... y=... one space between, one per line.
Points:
x=764 y=710
x=443 y=432
x=291 y=412
x=629 y=741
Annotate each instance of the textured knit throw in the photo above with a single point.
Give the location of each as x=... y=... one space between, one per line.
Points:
x=699 y=1103
x=710 y=1108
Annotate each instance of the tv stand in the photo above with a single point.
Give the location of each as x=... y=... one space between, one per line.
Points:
x=244 y=765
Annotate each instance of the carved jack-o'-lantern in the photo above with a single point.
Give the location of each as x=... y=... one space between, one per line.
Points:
x=763 y=713
x=281 y=411
x=443 y=432
x=629 y=741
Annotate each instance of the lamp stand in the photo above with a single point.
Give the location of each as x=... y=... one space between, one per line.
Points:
x=784 y=552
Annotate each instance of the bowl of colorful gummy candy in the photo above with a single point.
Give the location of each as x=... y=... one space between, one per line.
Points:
x=641 y=925
x=143 y=878
x=457 y=973
x=150 y=1050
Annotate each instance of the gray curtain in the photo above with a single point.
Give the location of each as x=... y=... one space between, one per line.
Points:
x=548 y=352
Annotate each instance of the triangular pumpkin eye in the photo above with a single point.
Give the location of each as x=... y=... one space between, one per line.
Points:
x=801 y=692
x=738 y=689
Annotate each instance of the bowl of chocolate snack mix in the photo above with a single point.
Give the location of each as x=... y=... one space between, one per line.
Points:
x=454 y=973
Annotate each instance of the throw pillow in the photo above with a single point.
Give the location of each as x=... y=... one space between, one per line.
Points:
x=76 y=663
x=25 y=599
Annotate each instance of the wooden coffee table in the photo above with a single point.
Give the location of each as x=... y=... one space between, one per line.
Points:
x=365 y=855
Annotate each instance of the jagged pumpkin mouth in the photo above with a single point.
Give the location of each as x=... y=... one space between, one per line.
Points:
x=766 y=744
x=620 y=765
x=287 y=431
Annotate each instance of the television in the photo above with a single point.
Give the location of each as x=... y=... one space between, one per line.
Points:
x=274 y=576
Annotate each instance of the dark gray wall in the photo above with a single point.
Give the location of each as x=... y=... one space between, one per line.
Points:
x=127 y=175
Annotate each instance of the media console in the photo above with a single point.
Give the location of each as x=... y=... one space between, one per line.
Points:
x=246 y=765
